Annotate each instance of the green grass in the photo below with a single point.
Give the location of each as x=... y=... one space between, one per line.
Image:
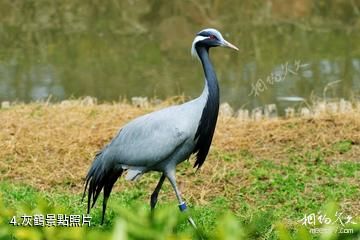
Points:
x=343 y=146
x=257 y=197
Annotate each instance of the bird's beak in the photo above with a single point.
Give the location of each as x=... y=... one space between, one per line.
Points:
x=229 y=45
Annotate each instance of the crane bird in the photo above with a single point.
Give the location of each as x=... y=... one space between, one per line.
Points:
x=160 y=140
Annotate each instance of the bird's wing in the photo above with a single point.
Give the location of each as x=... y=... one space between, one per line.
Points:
x=149 y=139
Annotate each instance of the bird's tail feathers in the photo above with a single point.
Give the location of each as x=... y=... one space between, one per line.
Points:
x=100 y=177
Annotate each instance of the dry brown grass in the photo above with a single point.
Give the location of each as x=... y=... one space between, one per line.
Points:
x=271 y=139
x=52 y=145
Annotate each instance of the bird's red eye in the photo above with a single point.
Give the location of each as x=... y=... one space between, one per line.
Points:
x=212 y=37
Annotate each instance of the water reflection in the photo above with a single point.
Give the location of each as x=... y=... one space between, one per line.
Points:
x=141 y=48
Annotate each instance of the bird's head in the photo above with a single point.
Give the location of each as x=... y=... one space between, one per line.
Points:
x=208 y=38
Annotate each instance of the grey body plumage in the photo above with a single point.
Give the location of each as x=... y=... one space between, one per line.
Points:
x=160 y=140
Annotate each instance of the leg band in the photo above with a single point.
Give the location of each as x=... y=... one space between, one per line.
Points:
x=182 y=206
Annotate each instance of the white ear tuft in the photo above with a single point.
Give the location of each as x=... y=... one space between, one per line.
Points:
x=193 y=50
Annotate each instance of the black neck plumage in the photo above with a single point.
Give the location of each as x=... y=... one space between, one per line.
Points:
x=207 y=124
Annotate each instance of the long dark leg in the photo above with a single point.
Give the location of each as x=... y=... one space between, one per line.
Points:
x=154 y=195
x=182 y=204
x=107 y=190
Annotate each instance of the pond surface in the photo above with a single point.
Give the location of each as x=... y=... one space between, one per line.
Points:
x=119 y=49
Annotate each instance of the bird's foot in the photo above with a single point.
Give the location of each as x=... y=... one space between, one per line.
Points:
x=183 y=208
x=191 y=221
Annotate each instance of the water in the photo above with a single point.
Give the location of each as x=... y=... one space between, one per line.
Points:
x=119 y=49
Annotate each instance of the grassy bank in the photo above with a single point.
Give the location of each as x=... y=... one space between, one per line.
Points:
x=263 y=172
